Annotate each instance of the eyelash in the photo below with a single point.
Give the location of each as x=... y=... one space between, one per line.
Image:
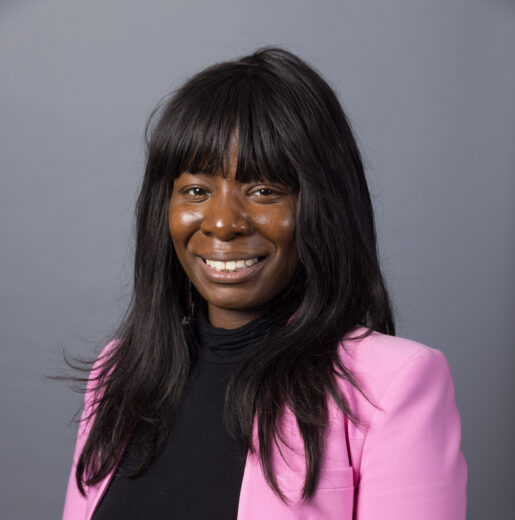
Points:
x=186 y=192
x=272 y=191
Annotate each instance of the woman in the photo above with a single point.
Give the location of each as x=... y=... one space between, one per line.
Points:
x=257 y=373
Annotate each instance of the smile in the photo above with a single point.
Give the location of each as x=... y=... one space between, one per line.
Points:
x=232 y=266
x=231 y=271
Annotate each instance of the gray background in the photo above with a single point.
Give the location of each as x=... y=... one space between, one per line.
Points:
x=429 y=87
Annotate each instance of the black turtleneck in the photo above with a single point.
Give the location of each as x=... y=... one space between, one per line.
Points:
x=219 y=345
x=198 y=473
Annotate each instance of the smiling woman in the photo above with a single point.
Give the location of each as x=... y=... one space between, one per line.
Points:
x=256 y=373
x=235 y=244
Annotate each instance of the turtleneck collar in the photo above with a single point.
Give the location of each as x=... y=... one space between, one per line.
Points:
x=220 y=345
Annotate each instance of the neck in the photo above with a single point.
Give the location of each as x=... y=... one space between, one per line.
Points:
x=232 y=318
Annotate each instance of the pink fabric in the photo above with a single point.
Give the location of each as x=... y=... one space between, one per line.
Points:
x=405 y=464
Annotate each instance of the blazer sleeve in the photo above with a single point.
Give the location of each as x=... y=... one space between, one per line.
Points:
x=75 y=504
x=412 y=466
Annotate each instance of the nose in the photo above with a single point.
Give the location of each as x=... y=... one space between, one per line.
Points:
x=225 y=217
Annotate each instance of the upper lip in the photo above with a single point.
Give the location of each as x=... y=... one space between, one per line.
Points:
x=227 y=257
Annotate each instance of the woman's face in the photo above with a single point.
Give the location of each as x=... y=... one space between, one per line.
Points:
x=221 y=220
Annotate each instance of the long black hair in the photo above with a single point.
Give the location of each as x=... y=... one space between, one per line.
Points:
x=291 y=129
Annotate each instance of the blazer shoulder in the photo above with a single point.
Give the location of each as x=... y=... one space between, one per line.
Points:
x=91 y=387
x=105 y=353
x=98 y=364
x=76 y=505
x=416 y=425
x=378 y=359
x=381 y=356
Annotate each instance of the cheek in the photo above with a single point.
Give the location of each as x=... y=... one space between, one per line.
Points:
x=181 y=224
x=285 y=237
x=281 y=230
x=278 y=224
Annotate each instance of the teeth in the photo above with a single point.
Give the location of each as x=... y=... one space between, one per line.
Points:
x=231 y=265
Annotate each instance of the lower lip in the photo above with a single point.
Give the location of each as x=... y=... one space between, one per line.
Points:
x=237 y=276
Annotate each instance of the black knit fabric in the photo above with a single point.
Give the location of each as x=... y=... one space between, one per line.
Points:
x=198 y=473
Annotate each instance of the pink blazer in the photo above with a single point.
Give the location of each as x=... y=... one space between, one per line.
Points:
x=405 y=465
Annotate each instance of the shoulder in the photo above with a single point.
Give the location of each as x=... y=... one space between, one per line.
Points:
x=416 y=425
x=76 y=505
x=381 y=354
x=378 y=357
x=90 y=396
x=382 y=364
x=99 y=362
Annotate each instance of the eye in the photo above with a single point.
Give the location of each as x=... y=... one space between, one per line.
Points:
x=195 y=192
x=267 y=194
x=265 y=191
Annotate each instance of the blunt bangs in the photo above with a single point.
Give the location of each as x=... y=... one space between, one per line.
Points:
x=202 y=120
